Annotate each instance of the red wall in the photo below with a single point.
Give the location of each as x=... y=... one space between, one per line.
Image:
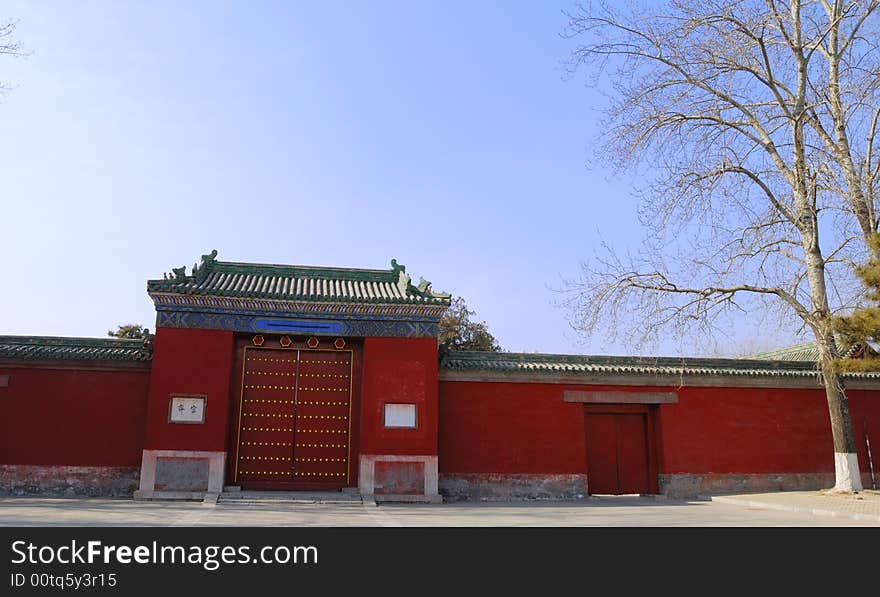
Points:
x=190 y=361
x=510 y=428
x=399 y=370
x=745 y=430
x=738 y=430
x=527 y=428
x=74 y=417
x=864 y=408
x=105 y=417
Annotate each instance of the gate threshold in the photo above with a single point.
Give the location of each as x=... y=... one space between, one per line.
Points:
x=293 y=497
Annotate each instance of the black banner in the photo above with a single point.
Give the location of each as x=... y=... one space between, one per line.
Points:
x=133 y=561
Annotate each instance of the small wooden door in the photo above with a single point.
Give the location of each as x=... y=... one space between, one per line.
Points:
x=618 y=453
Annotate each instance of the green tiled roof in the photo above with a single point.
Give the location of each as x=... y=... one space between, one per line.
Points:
x=799 y=352
x=298 y=283
x=808 y=351
x=51 y=348
x=561 y=363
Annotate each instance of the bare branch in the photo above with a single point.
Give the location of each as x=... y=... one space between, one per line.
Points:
x=9 y=45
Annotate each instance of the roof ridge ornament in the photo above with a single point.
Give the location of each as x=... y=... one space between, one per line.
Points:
x=424 y=287
x=207 y=261
x=198 y=273
x=403 y=280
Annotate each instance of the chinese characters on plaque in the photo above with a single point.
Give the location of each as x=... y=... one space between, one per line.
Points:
x=187 y=409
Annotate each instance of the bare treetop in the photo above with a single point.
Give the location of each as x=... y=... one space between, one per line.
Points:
x=9 y=45
x=706 y=99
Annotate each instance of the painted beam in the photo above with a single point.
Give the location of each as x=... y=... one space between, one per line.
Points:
x=344 y=325
x=620 y=397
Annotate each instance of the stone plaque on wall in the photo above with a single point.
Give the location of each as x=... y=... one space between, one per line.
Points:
x=401 y=416
x=186 y=409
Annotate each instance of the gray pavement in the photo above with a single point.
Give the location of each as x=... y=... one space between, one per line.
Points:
x=864 y=505
x=753 y=510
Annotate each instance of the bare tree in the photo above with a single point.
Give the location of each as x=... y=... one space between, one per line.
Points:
x=754 y=122
x=9 y=45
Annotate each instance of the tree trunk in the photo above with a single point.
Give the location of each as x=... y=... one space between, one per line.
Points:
x=847 y=477
x=846 y=462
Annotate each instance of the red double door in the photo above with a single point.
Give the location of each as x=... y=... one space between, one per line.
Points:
x=620 y=452
x=294 y=420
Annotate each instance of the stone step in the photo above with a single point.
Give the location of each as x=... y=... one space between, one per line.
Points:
x=301 y=497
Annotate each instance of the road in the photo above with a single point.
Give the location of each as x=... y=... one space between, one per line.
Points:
x=603 y=511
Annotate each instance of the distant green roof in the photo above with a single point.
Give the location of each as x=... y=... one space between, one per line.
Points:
x=298 y=283
x=561 y=363
x=52 y=348
x=807 y=351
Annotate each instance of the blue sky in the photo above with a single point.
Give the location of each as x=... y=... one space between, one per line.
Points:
x=139 y=136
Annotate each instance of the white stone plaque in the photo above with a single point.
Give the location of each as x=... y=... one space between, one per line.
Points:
x=400 y=416
x=187 y=409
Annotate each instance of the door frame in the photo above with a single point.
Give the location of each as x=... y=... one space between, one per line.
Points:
x=650 y=413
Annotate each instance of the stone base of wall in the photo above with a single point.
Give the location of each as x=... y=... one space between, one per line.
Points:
x=56 y=481
x=387 y=477
x=180 y=474
x=488 y=487
x=692 y=485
